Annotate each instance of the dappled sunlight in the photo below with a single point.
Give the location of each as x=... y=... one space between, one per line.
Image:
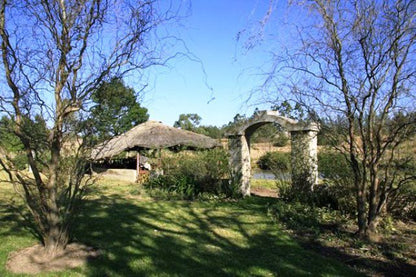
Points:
x=149 y=237
x=190 y=238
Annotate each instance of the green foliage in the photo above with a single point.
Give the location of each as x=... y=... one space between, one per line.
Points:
x=238 y=121
x=291 y=110
x=402 y=202
x=387 y=225
x=332 y=131
x=402 y=197
x=284 y=188
x=191 y=122
x=37 y=132
x=192 y=174
x=265 y=133
x=337 y=190
x=308 y=218
x=11 y=143
x=281 y=140
x=275 y=161
x=115 y=110
x=211 y=131
x=8 y=140
x=188 y=121
x=272 y=133
x=34 y=132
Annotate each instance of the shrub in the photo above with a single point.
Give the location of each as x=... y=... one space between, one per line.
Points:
x=189 y=175
x=275 y=161
x=284 y=188
x=337 y=190
x=281 y=140
x=306 y=218
x=402 y=202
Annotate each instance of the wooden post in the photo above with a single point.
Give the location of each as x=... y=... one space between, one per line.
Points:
x=137 y=167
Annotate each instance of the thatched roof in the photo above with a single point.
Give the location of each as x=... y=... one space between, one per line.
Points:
x=151 y=135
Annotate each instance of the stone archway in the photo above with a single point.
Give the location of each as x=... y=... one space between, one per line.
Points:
x=303 y=156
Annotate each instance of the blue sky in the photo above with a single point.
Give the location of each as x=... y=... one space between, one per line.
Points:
x=218 y=95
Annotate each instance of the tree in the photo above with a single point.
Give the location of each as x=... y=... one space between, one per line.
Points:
x=12 y=146
x=115 y=110
x=211 y=131
x=286 y=109
x=52 y=70
x=191 y=122
x=238 y=121
x=188 y=121
x=8 y=140
x=354 y=61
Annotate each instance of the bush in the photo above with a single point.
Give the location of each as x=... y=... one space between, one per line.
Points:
x=190 y=175
x=402 y=202
x=307 y=218
x=281 y=140
x=275 y=161
x=337 y=190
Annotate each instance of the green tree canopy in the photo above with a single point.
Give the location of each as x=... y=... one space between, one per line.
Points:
x=8 y=140
x=188 y=121
x=116 y=110
x=191 y=122
x=34 y=131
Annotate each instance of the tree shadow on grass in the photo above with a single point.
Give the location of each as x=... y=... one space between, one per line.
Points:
x=17 y=221
x=374 y=267
x=179 y=238
x=313 y=235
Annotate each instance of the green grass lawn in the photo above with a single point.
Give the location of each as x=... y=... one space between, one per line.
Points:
x=139 y=236
x=263 y=183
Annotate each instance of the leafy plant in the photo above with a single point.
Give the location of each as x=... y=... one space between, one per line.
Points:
x=189 y=175
x=275 y=161
x=281 y=140
x=402 y=203
x=337 y=190
x=115 y=110
x=308 y=218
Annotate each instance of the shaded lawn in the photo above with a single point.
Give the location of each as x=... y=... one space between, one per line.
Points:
x=177 y=238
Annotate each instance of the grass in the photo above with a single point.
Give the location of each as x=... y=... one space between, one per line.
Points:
x=263 y=183
x=139 y=236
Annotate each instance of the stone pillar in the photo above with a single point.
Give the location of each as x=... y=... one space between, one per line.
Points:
x=304 y=159
x=240 y=162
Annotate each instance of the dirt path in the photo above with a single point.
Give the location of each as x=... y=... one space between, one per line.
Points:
x=264 y=192
x=33 y=260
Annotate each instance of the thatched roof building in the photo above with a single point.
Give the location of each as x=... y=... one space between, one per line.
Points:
x=151 y=135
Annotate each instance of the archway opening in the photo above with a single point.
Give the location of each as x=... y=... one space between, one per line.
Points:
x=303 y=150
x=270 y=158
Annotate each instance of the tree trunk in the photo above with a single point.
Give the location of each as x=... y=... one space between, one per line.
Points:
x=361 y=217
x=55 y=238
x=372 y=234
x=360 y=185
